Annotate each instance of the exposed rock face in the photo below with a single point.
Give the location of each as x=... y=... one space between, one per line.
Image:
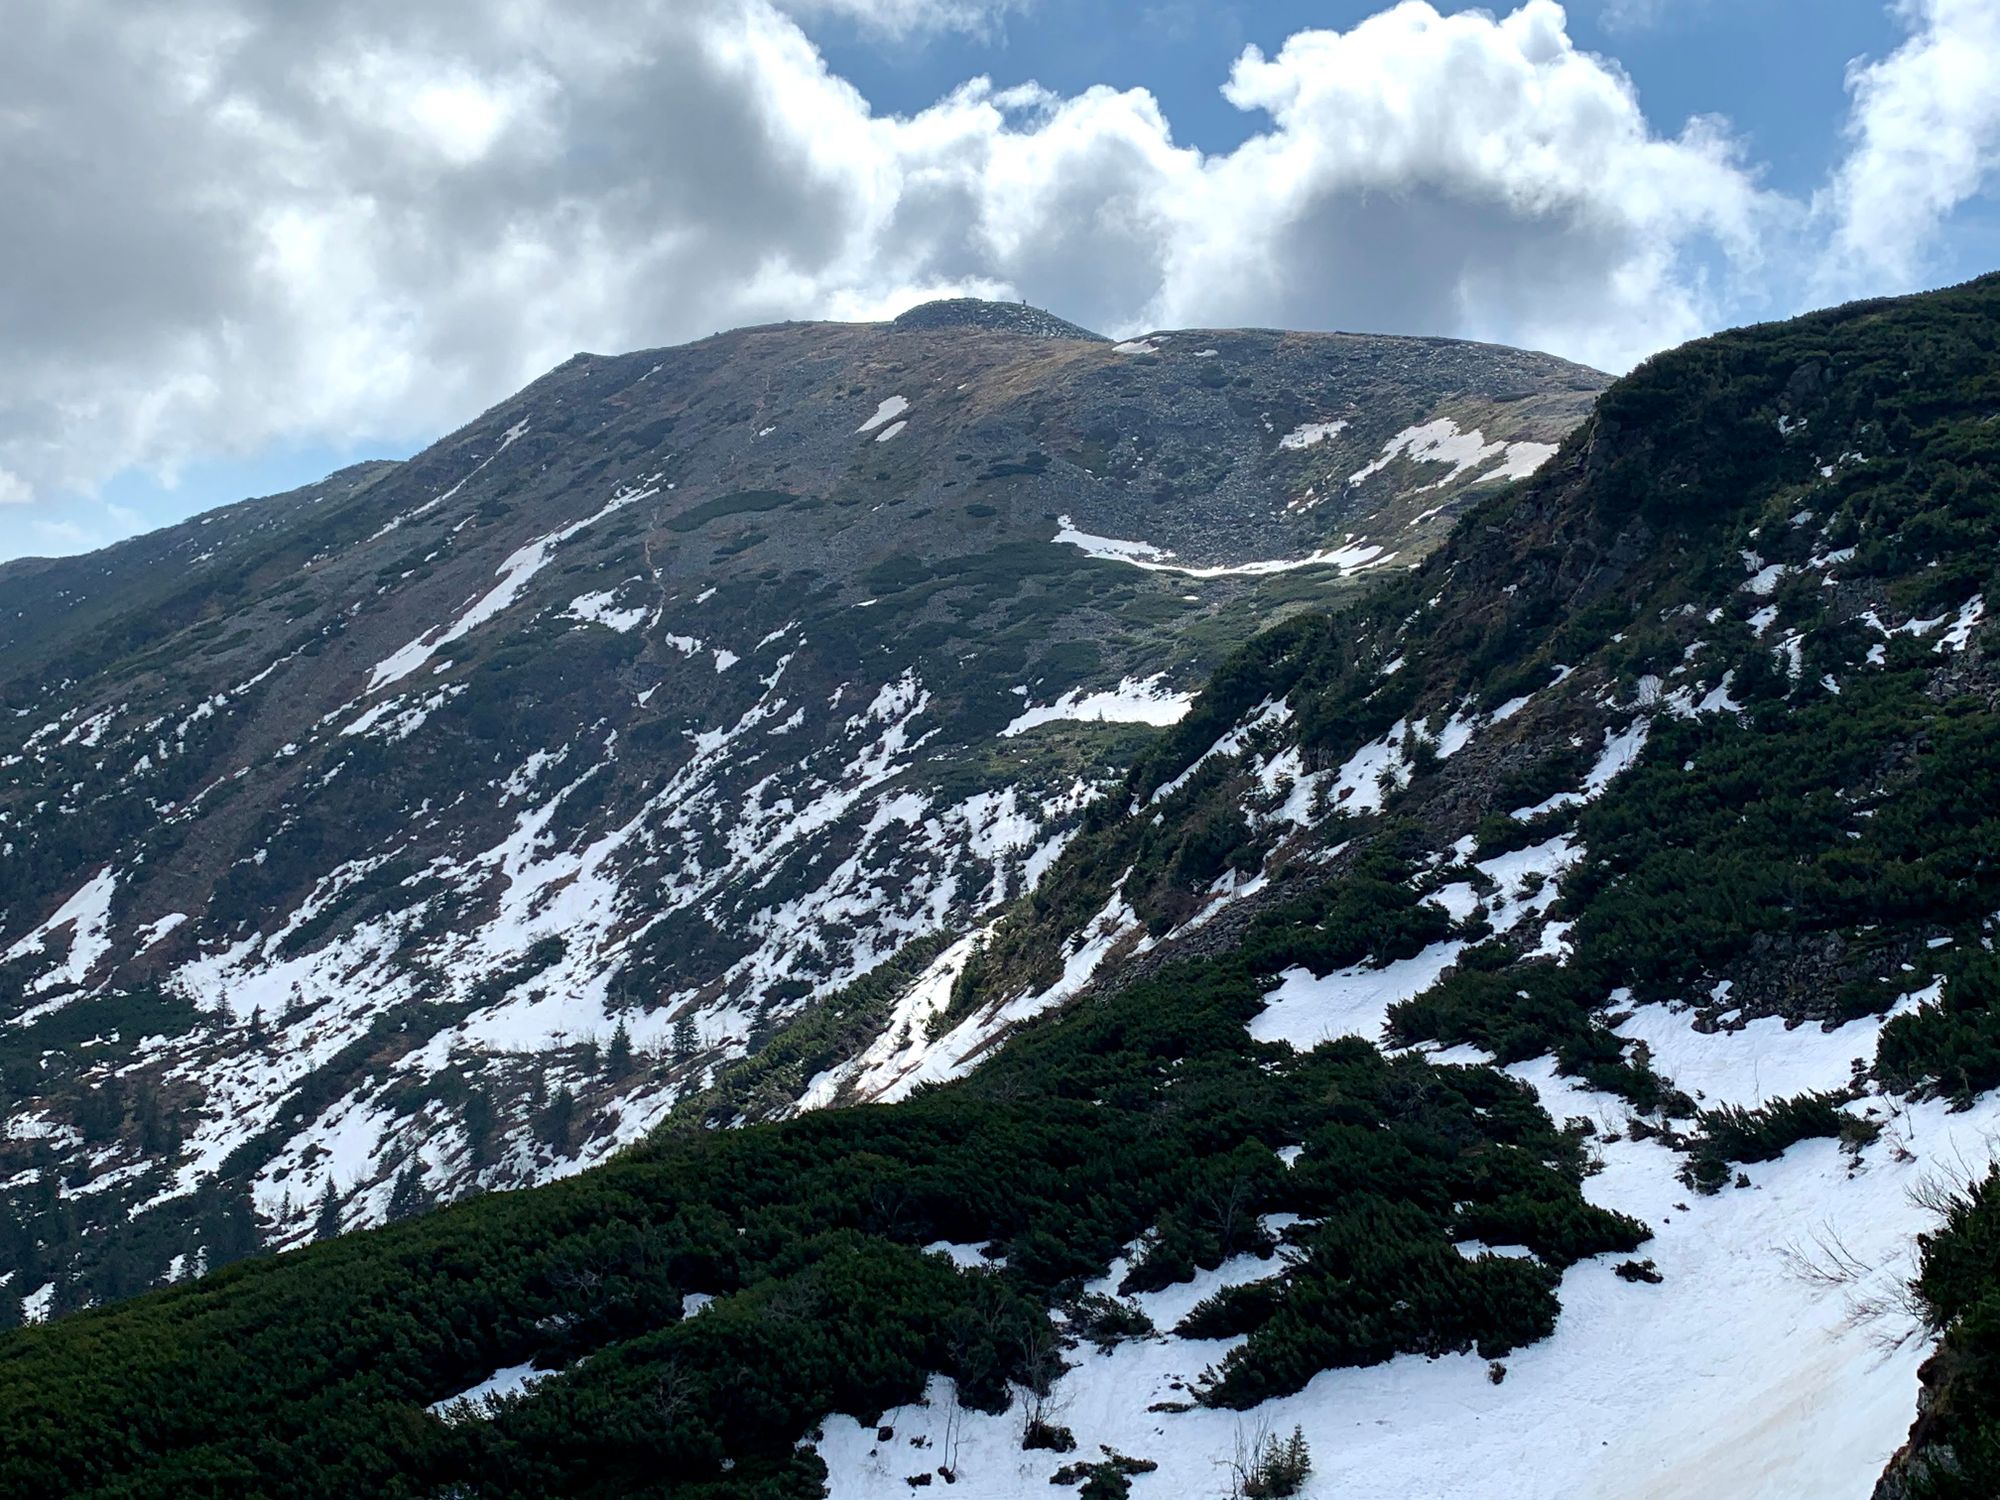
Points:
x=449 y=820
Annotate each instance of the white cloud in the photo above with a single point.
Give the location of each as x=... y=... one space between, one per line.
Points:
x=1633 y=15
x=909 y=17
x=1477 y=175
x=1925 y=138
x=241 y=223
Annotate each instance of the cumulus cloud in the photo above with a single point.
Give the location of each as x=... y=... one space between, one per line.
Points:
x=1925 y=137
x=242 y=223
x=1477 y=175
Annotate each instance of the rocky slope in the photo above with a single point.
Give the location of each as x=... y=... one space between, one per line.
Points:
x=446 y=824
x=1533 y=1029
x=1687 y=750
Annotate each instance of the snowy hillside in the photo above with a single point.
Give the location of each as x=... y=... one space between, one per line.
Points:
x=453 y=824
x=1528 y=1025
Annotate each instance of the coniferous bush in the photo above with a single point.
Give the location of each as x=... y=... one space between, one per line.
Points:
x=1730 y=1134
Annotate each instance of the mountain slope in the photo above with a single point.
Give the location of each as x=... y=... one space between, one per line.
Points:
x=444 y=825
x=1520 y=1018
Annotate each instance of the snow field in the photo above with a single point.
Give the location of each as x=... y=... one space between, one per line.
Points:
x=1442 y=442
x=1350 y=558
x=1774 y=1359
x=909 y=868
x=1134 y=701
x=887 y=412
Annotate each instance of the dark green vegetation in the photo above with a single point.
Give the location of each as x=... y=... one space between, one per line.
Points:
x=1801 y=849
x=1152 y=1111
x=1731 y=1134
x=132 y=596
x=1279 y=1468
x=1951 y=1046
x=1954 y=1449
x=832 y=1031
x=744 y=503
x=1818 y=842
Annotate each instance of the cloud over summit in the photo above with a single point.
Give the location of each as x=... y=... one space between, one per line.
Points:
x=237 y=223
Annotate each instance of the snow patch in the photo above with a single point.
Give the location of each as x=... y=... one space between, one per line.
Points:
x=1305 y=1011
x=1442 y=442
x=1349 y=558
x=521 y=565
x=1743 y=1373
x=1310 y=433
x=1959 y=636
x=955 y=1053
x=888 y=411
x=1134 y=701
x=477 y=1402
x=87 y=915
x=1755 y=1063
x=599 y=609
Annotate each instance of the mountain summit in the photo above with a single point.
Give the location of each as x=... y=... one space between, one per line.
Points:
x=994 y=317
x=448 y=824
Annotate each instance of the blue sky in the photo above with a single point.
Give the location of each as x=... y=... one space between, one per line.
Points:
x=1775 y=68
x=259 y=242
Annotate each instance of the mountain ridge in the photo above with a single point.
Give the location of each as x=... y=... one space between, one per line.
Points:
x=663 y=701
x=1565 y=972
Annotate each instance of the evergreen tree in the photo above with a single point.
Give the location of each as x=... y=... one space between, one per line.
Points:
x=327 y=1223
x=1280 y=1470
x=159 y=1132
x=70 y=1295
x=17 y=1241
x=229 y=1228
x=409 y=1197
x=618 y=1058
x=99 y=1113
x=686 y=1040
x=121 y=1270
x=53 y=1212
x=476 y=1115
x=556 y=1120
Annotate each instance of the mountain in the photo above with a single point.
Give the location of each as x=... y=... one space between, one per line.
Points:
x=449 y=824
x=1530 y=1028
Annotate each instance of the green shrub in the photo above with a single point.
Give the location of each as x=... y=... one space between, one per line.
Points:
x=1730 y=1134
x=1951 y=1045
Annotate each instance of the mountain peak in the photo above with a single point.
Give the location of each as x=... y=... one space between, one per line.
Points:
x=993 y=317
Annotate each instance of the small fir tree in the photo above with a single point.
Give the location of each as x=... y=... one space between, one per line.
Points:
x=409 y=1197
x=229 y=1228
x=618 y=1056
x=557 y=1120
x=326 y=1223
